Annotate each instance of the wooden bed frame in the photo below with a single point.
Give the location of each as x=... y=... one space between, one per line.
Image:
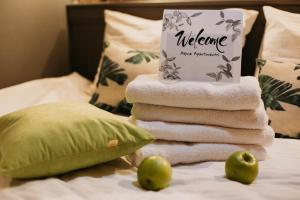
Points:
x=86 y=26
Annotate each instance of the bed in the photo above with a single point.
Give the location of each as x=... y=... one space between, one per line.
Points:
x=279 y=176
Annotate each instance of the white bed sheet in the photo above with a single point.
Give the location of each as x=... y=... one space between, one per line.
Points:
x=279 y=176
x=66 y=88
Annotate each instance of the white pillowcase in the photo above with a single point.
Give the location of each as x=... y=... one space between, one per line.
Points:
x=281 y=40
x=136 y=31
x=131 y=31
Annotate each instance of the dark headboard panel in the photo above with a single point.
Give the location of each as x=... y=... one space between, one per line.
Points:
x=86 y=26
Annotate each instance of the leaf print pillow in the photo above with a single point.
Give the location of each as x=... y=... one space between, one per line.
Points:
x=118 y=67
x=280 y=84
x=132 y=47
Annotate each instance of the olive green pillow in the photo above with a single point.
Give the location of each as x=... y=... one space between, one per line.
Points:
x=55 y=138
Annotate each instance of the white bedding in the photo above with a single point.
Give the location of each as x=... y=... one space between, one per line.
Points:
x=279 y=176
x=66 y=88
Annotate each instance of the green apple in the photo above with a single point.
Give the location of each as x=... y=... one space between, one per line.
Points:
x=154 y=173
x=241 y=166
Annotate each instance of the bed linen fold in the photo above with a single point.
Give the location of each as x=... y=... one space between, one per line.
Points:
x=278 y=179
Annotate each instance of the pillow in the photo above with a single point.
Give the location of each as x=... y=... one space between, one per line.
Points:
x=281 y=41
x=134 y=32
x=55 y=138
x=280 y=84
x=120 y=65
x=131 y=48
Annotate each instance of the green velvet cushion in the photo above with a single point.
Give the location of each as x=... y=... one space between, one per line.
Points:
x=55 y=138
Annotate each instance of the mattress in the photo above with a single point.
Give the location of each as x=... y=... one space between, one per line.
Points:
x=279 y=176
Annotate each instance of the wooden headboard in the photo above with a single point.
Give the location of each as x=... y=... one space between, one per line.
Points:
x=86 y=26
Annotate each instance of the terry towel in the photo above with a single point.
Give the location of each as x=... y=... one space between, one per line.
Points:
x=205 y=134
x=186 y=94
x=177 y=153
x=245 y=119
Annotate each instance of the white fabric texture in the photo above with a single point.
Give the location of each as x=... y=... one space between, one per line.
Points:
x=182 y=153
x=279 y=175
x=65 y=88
x=244 y=119
x=135 y=31
x=278 y=178
x=281 y=41
x=205 y=134
x=207 y=95
x=132 y=31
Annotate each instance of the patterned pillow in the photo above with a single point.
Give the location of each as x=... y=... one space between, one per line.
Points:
x=120 y=65
x=280 y=84
x=132 y=47
x=281 y=40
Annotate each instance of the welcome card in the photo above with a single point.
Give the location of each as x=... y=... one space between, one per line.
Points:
x=201 y=45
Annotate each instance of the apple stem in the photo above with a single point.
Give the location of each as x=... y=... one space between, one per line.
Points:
x=247 y=157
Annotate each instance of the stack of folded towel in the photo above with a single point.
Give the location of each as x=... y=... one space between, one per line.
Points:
x=198 y=121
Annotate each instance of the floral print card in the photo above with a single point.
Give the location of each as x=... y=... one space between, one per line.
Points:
x=201 y=45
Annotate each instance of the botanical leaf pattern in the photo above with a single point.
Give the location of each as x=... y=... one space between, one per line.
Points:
x=105 y=44
x=111 y=70
x=275 y=91
x=235 y=58
x=225 y=69
x=140 y=56
x=230 y=24
x=220 y=22
x=123 y=108
x=281 y=135
x=177 y=19
x=222 y=14
x=212 y=75
x=196 y=14
x=102 y=106
x=260 y=63
x=223 y=19
x=225 y=58
x=168 y=68
x=222 y=67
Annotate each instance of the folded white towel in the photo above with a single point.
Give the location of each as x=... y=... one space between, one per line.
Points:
x=177 y=153
x=245 y=119
x=205 y=134
x=208 y=95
